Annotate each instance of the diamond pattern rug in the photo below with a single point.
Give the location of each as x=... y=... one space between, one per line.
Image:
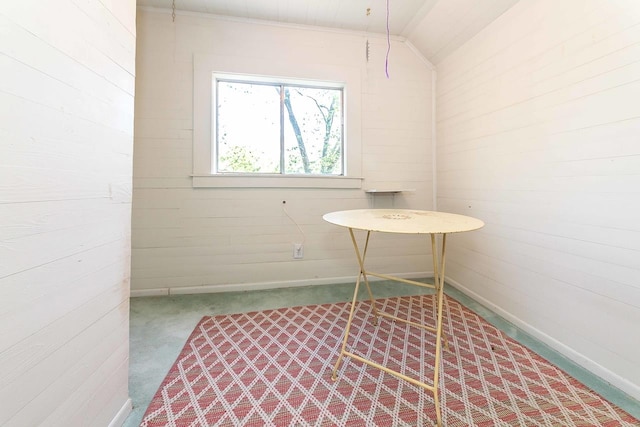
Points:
x=273 y=368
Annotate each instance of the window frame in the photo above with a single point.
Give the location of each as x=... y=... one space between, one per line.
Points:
x=273 y=82
x=207 y=67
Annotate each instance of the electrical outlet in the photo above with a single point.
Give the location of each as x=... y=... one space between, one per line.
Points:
x=298 y=251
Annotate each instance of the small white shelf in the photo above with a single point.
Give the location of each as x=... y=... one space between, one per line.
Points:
x=388 y=190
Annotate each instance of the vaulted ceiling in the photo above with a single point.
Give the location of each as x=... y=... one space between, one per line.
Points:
x=435 y=27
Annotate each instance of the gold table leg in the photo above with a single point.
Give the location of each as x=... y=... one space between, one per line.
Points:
x=438 y=274
x=362 y=273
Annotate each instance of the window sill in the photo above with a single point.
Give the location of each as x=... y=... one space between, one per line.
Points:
x=285 y=181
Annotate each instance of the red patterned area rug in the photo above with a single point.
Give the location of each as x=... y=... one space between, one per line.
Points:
x=273 y=368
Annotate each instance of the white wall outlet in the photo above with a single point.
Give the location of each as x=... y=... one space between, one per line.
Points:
x=298 y=251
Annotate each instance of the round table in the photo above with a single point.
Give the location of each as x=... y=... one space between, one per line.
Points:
x=405 y=221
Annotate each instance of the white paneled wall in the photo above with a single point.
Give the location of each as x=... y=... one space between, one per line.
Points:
x=538 y=125
x=66 y=138
x=186 y=239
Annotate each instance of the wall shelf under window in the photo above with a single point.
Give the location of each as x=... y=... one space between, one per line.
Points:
x=380 y=197
x=374 y=191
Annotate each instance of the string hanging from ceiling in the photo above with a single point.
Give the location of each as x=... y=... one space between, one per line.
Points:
x=366 y=52
x=173 y=11
x=386 y=60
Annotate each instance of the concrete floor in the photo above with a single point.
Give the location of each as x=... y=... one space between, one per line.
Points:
x=161 y=325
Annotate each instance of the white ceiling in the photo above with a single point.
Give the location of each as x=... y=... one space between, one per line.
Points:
x=435 y=27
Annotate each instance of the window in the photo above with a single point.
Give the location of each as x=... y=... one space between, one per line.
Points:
x=278 y=128
x=301 y=129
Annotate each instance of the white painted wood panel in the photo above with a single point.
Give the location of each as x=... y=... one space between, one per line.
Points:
x=110 y=55
x=66 y=132
x=54 y=376
x=185 y=237
x=450 y=23
x=538 y=118
x=350 y=15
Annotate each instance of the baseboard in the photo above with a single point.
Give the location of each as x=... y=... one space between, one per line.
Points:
x=154 y=292
x=122 y=414
x=256 y=286
x=614 y=379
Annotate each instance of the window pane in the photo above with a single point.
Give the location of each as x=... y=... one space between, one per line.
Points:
x=248 y=128
x=313 y=130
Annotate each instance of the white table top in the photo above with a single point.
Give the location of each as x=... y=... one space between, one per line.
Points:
x=410 y=221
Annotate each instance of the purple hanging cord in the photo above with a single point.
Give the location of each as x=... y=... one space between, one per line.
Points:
x=386 y=61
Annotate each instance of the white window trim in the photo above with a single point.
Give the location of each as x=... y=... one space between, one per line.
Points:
x=204 y=69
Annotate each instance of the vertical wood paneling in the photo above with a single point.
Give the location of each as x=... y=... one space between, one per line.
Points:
x=538 y=120
x=185 y=237
x=66 y=136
